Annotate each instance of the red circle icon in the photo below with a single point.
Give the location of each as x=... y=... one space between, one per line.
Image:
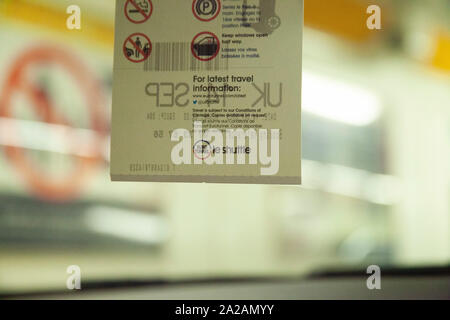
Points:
x=137 y=47
x=40 y=182
x=205 y=46
x=138 y=11
x=202 y=150
x=206 y=10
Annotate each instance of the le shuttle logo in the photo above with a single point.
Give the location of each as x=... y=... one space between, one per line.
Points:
x=211 y=148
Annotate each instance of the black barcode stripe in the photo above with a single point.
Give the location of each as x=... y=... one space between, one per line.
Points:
x=177 y=56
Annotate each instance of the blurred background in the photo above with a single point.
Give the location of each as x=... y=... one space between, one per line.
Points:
x=376 y=148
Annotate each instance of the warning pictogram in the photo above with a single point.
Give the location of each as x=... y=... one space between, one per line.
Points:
x=138 y=11
x=205 y=46
x=137 y=47
x=51 y=115
x=206 y=10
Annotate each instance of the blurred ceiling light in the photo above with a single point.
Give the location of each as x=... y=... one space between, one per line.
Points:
x=41 y=136
x=127 y=224
x=339 y=101
x=345 y=18
x=351 y=182
x=48 y=14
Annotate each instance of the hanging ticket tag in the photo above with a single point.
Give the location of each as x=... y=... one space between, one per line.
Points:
x=207 y=91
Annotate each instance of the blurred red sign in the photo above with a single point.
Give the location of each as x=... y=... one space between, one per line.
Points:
x=18 y=80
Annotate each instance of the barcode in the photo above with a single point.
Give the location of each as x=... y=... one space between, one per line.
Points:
x=178 y=56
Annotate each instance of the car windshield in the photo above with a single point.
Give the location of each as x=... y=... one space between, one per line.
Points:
x=375 y=157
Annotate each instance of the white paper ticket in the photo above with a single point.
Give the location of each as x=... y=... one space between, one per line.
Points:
x=207 y=91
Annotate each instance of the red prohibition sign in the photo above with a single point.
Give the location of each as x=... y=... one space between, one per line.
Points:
x=196 y=14
x=143 y=9
x=203 y=46
x=48 y=188
x=138 y=48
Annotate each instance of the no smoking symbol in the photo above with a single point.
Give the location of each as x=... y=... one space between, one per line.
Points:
x=137 y=47
x=138 y=11
x=206 y=10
